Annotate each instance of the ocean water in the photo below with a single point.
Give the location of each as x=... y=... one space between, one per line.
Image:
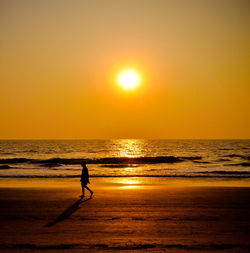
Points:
x=137 y=157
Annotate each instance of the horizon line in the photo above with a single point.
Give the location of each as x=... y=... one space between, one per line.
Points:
x=88 y=139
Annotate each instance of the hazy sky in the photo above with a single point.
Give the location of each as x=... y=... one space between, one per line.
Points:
x=59 y=61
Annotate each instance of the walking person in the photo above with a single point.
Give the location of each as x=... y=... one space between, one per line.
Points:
x=85 y=180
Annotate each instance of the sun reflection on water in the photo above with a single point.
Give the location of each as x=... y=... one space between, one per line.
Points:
x=128 y=183
x=130 y=186
x=129 y=169
x=129 y=148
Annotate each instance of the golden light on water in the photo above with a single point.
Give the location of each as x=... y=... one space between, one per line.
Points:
x=129 y=148
x=128 y=183
x=129 y=79
x=130 y=186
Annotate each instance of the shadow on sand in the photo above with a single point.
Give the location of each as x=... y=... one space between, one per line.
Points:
x=69 y=211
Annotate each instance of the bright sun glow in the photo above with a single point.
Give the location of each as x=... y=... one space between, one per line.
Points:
x=128 y=79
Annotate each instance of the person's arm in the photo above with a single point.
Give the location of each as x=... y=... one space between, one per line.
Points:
x=87 y=176
x=81 y=176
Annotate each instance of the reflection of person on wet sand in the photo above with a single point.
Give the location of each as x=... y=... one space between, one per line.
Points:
x=85 y=179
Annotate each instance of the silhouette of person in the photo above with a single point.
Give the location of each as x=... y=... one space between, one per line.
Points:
x=85 y=179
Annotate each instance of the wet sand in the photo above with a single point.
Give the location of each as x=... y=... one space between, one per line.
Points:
x=153 y=214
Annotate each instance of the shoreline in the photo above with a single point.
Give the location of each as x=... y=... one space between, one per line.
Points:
x=140 y=181
x=141 y=176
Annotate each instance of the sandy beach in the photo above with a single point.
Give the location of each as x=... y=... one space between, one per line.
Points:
x=153 y=214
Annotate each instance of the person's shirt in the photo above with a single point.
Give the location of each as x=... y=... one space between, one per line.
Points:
x=85 y=175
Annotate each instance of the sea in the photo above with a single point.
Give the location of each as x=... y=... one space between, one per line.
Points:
x=125 y=158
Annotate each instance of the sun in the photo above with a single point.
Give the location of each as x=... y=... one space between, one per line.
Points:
x=128 y=79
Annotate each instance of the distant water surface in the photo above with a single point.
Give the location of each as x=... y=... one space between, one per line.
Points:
x=138 y=157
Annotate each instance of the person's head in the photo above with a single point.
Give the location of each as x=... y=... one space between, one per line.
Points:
x=83 y=164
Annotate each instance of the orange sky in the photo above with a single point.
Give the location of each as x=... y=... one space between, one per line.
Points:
x=59 y=61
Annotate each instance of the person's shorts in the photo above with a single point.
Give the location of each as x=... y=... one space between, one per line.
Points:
x=83 y=183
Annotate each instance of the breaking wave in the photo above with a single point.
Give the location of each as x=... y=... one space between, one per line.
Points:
x=105 y=160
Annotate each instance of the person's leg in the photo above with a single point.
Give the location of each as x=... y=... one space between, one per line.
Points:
x=82 y=190
x=91 y=192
